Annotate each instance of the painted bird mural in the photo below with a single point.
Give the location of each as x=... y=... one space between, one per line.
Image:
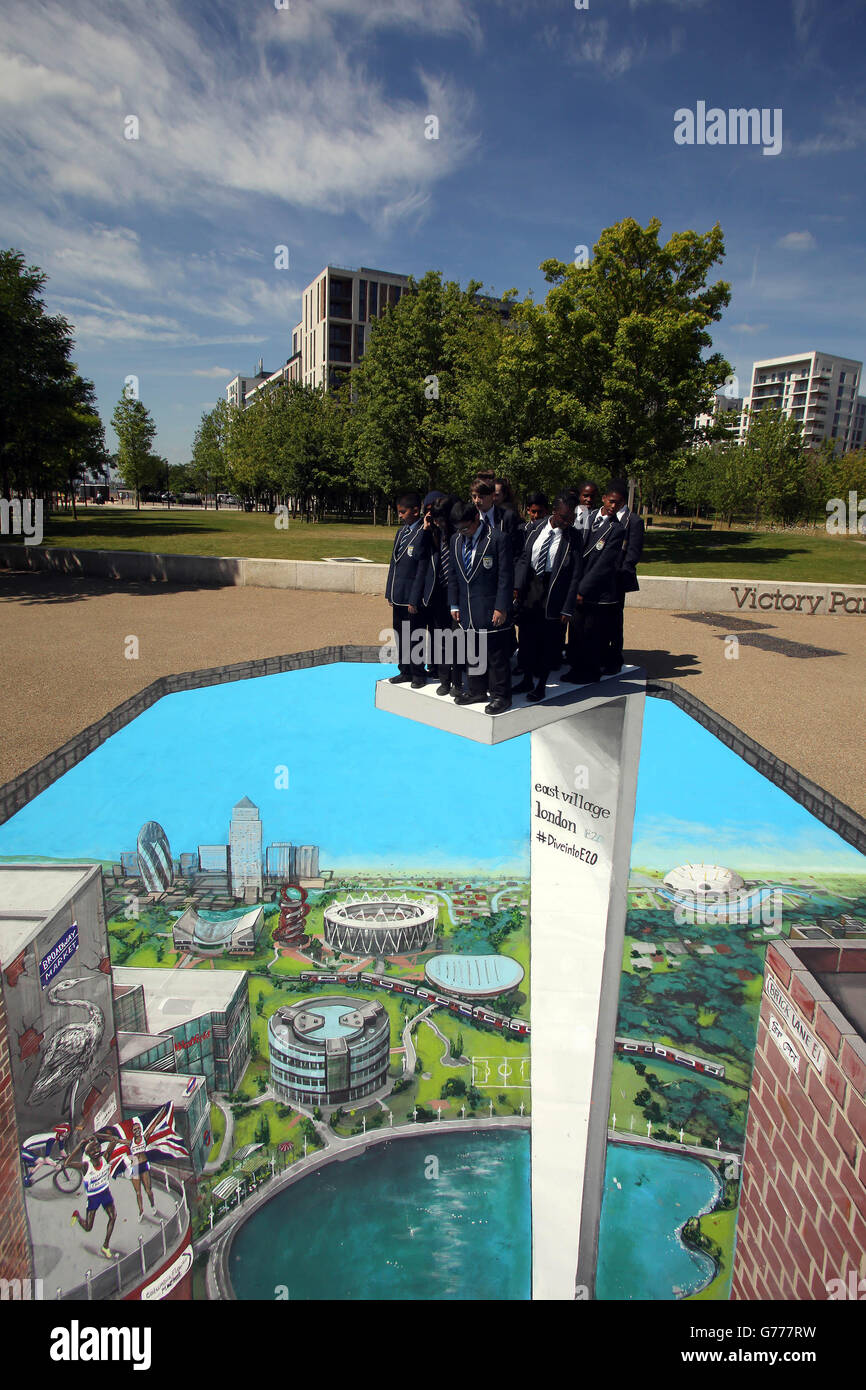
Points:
x=70 y=1051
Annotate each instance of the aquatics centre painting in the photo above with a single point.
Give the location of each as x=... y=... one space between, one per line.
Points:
x=327 y=918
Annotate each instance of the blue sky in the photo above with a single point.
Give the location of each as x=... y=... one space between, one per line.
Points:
x=379 y=792
x=305 y=127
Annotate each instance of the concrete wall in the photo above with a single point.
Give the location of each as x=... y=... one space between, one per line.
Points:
x=747 y=596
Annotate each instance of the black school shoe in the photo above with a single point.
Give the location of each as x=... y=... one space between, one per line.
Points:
x=401 y=679
x=469 y=699
x=497 y=706
x=443 y=689
x=418 y=682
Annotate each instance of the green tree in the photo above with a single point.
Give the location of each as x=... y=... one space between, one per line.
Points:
x=627 y=337
x=730 y=478
x=406 y=429
x=208 y=468
x=40 y=392
x=135 y=432
x=777 y=456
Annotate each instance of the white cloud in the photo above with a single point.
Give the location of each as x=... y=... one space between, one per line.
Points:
x=218 y=123
x=748 y=327
x=225 y=372
x=592 y=46
x=846 y=130
x=797 y=241
x=310 y=20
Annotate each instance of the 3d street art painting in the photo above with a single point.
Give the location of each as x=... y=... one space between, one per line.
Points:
x=298 y=926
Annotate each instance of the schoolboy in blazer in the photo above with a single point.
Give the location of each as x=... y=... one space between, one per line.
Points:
x=628 y=584
x=545 y=580
x=407 y=621
x=596 y=592
x=481 y=585
x=430 y=592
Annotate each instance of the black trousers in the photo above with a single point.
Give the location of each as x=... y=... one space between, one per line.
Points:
x=443 y=630
x=612 y=657
x=407 y=627
x=496 y=679
x=540 y=642
x=596 y=628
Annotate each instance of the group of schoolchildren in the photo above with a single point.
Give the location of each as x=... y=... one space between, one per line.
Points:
x=551 y=587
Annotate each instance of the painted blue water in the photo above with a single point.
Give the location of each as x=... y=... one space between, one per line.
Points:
x=441 y=1216
x=376 y=792
x=331 y=1015
x=648 y=1195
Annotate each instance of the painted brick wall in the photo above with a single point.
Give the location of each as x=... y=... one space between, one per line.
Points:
x=802 y=1219
x=14 y=1236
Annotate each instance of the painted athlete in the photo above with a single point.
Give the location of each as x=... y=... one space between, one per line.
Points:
x=140 y=1165
x=96 y=1169
x=46 y=1150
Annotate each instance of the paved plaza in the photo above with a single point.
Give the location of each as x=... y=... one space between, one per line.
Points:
x=795 y=684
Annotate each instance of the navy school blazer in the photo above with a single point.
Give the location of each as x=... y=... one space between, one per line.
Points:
x=488 y=586
x=401 y=573
x=562 y=585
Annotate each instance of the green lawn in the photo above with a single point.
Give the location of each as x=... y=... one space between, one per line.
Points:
x=721 y=1227
x=217 y=1129
x=806 y=555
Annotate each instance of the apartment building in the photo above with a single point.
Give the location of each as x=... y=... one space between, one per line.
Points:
x=816 y=388
x=240 y=386
x=725 y=412
x=338 y=309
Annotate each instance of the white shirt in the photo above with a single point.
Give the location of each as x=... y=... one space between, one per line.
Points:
x=540 y=541
x=95 y=1178
x=488 y=515
x=621 y=514
x=581 y=517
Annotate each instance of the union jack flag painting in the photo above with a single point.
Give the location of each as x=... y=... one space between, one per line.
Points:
x=163 y=1140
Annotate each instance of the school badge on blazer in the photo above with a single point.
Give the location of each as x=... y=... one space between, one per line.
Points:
x=410 y=550
x=487 y=562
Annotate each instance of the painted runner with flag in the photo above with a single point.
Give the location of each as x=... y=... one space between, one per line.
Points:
x=143 y=1138
x=161 y=1136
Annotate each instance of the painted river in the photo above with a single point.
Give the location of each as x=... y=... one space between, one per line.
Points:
x=648 y=1194
x=441 y=1216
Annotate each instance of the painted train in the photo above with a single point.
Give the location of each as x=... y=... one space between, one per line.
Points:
x=455 y=1006
x=670 y=1054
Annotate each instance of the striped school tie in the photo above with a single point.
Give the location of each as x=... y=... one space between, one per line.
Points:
x=467 y=552
x=540 y=563
x=403 y=541
x=444 y=561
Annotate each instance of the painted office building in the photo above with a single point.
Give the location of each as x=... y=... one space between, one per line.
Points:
x=207 y=1015
x=245 y=849
x=329 y=1050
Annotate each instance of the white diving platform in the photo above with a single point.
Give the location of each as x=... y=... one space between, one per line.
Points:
x=585 y=748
